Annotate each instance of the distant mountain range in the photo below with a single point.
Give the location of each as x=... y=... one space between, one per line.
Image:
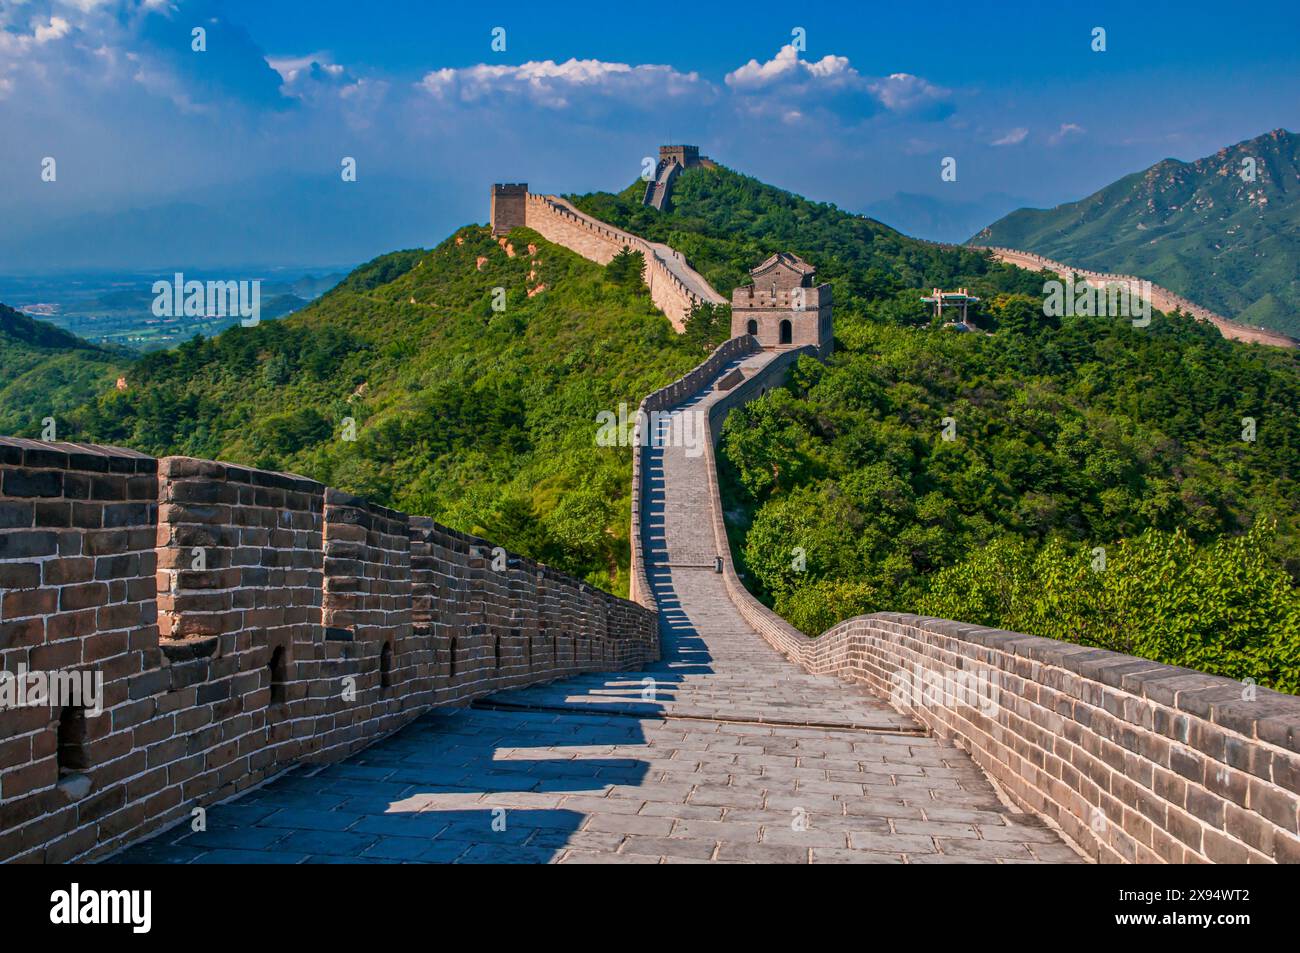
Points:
x=1223 y=231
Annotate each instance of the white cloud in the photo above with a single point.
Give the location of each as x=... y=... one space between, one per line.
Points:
x=905 y=93
x=1066 y=130
x=787 y=66
x=559 y=85
x=831 y=82
x=56 y=29
x=1012 y=138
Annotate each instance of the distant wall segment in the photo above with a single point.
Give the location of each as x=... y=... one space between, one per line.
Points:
x=1162 y=299
x=675 y=287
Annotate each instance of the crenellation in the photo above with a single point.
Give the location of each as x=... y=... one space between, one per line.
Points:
x=242 y=621
x=783 y=307
x=675 y=288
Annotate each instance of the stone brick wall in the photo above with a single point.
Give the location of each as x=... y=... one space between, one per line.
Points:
x=1136 y=761
x=244 y=621
x=1162 y=299
x=508 y=207
x=675 y=287
x=662 y=399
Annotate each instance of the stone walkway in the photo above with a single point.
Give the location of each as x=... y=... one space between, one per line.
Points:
x=722 y=752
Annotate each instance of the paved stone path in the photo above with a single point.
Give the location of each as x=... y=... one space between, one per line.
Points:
x=722 y=752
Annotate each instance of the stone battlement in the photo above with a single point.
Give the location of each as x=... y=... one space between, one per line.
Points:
x=243 y=622
x=1133 y=760
x=675 y=287
x=1162 y=299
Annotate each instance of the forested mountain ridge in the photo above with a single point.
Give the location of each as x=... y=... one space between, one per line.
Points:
x=1098 y=485
x=45 y=370
x=483 y=418
x=1223 y=230
x=1071 y=436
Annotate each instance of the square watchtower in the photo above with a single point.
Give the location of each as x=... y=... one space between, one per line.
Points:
x=685 y=156
x=784 y=307
x=509 y=206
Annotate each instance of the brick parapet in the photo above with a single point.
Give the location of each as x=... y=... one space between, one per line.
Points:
x=674 y=286
x=663 y=399
x=243 y=622
x=1135 y=761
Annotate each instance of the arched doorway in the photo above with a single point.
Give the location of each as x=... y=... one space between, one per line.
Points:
x=787 y=332
x=752 y=327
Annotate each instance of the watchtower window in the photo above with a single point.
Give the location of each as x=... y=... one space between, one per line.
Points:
x=386 y=665
x=72 y=757
x=451 y=658
x=279 y=669
x=787 y=332
x=752 y=327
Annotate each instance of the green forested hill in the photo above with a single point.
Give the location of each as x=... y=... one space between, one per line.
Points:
x=45 y=371
x=484 y=419
x=1073 y=438
x=726 y=223
x=1197 y=228
x=1076 y=441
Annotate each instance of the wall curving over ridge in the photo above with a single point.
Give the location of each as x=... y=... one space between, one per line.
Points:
x=1135 y=761
x=1161 y=298
x=244 y=621
x=675 y=287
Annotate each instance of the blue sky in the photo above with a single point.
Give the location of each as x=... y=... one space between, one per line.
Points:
x=231 y=155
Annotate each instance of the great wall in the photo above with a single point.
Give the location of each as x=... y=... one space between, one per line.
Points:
x=1162 y=299
x=263 y=636
x=675 y=287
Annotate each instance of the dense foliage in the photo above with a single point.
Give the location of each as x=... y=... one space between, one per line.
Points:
x=482 y=418
x=47 y=371
x=1226 y=608
x=1070 y=436
x=1088 y=435
x=726 y=223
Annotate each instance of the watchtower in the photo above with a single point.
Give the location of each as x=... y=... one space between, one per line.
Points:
x=685 y=156
x=509 y=206
x=784 y=307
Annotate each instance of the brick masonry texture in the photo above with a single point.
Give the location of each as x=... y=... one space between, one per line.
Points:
x=1135 y=761
x=243 y=622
